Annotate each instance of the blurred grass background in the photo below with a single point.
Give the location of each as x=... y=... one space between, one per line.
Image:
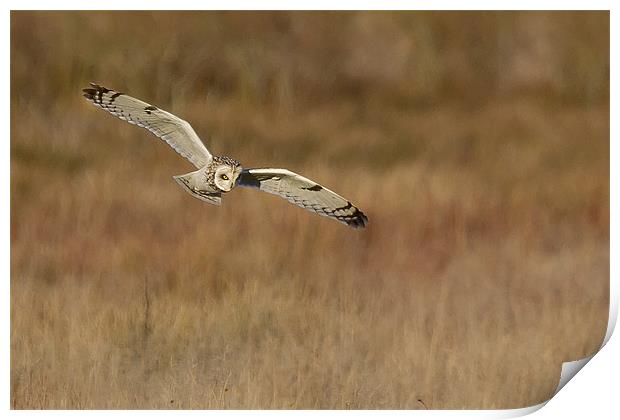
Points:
x=476 y=142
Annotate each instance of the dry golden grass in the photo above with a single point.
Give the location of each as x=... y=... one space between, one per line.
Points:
x=484 y=267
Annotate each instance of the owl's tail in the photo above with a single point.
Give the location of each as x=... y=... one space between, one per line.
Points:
x=189 y=184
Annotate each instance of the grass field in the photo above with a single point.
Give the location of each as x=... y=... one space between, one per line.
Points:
x=476 y=143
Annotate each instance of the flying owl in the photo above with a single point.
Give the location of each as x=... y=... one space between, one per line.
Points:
x=220 y=174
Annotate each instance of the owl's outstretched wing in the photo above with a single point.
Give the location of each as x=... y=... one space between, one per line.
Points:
x=303 y=193
x=175 y=131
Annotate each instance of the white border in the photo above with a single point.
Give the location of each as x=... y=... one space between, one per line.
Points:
x=596 y=383
x=310 y=5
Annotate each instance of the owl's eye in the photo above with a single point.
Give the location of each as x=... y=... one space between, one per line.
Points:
x=225 y=178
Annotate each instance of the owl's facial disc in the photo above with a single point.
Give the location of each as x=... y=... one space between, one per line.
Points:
x=225 y=177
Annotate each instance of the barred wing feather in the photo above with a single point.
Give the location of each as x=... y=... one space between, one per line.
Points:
x=173 y=130
x=304 y=193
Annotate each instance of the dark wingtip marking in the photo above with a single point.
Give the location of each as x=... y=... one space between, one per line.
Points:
x=89 y=94
x=150 y=108
x=99 y=88
x=358 y=220
x=95 y=93
x=347 y=207
x=116 y=95
x=315 y=187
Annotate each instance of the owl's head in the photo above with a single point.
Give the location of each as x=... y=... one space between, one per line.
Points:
x=226 y=174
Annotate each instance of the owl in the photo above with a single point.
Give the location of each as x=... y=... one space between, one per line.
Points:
x=217 y=175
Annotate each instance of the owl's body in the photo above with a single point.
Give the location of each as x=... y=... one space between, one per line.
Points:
x=209 y=182
x=220 y=174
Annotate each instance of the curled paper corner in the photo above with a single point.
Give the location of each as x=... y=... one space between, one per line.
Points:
x=520 y=412
x=613 y=313
x=570 y=369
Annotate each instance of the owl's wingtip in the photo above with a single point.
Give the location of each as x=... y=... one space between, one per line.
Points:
x=95 y=88
x=358 y=221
